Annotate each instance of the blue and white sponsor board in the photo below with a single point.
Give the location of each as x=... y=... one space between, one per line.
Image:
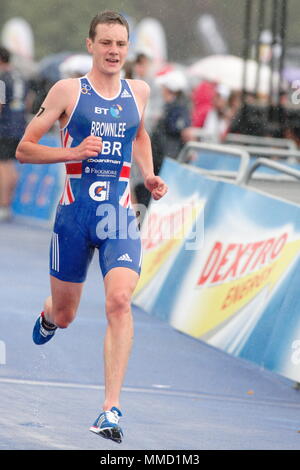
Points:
x=221 y=263
x=39 y=187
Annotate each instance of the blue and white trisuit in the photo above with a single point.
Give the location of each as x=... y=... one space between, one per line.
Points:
x=95 y=210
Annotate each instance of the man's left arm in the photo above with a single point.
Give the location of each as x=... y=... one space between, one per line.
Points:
x=142 y=153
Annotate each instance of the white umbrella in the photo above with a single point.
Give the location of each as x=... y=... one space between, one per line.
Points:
x=76 y=65
x=229 y=70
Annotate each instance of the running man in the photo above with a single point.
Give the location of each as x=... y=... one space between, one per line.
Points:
x=101 y=118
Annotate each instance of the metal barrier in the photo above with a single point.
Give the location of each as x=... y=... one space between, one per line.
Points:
x=243 y=139
x=290 y=155
x=282 y=182
x=270 y=164
x=204 y=135
x=242 y=166
x=215 y=159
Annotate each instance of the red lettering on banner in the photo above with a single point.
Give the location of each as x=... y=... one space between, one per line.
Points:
x=238 y=292
x=211 y=263
x=278 y=246
x=262 y=256
x=228 y=298
x=254 y=248
x=218 y=277
x=232 y=261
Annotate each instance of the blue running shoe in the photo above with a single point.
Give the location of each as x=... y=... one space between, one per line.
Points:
x=107 y=425
x=42 y=331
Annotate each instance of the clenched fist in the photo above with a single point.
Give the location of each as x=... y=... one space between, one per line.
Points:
x=156 y=186
x=91 y=146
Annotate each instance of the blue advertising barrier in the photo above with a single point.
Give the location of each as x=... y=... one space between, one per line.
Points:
x=237 y=288
x=39 y=187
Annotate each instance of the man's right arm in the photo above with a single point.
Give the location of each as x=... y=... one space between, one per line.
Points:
x=54 y=105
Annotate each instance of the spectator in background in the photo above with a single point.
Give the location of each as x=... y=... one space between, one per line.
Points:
x=250 y=118
x=202 y=102
x=217 y=119
x=127 y=71
x=143 y=64
x=234 y=105
x=12 y=126
x=143 y=69
x=166 y=136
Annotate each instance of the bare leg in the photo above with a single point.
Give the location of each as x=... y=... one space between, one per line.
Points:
x=8 y=181
x=119 y=286
x=60 y=308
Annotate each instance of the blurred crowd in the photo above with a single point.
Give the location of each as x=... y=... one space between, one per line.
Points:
x=180 y=110
x=13 y=116
x=183 y=109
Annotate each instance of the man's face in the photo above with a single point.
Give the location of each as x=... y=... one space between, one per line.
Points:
x=142 y=67
x=109 y=47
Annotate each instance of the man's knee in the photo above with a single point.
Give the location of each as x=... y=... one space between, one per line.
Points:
x=118 y=302
x=62 y=317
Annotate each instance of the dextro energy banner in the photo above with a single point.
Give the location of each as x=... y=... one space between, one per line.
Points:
x=225 y=272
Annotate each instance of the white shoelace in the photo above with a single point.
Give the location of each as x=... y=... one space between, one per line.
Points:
x=112 y=416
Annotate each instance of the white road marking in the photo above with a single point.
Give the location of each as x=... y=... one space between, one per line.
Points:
x=156 y=391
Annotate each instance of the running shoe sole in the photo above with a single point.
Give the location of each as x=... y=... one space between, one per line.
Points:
x=114 y=433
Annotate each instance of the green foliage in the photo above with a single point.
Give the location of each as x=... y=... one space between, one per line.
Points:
x=63 y=24
x=57 y=24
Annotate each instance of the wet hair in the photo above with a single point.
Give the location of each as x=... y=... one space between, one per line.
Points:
x=4 y=55
x=107 y=17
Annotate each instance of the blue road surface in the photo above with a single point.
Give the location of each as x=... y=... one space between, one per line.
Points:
x=179 y=393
